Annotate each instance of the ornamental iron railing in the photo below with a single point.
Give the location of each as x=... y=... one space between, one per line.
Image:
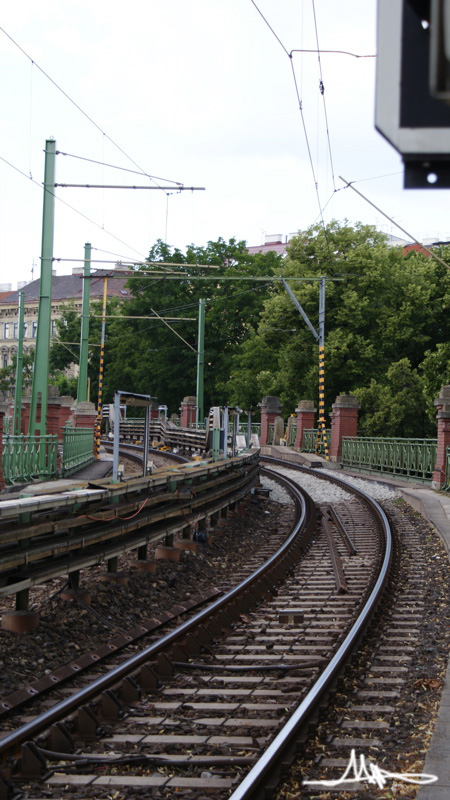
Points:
x=413 y=459
x=310 y=440
x=291 y=432
x=78 y=448
x=446 y=486
x=25 y=458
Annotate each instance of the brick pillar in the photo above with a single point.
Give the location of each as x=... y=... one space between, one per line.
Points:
x=305 y=420
x=344 y=422
x=3 y=411
x=188 y=409
x=65 y=413
x=25 y=417
x=154 y=410
x=270 y=409
x=442 y=404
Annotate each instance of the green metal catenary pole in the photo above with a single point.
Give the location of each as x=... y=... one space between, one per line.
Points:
x=17 y=419
x=200 y=360
x=39 y=391
x=84 y=336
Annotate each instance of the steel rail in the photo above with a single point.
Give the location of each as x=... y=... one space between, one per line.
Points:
x=252 y=786
x=65 y=707
x=128 y=450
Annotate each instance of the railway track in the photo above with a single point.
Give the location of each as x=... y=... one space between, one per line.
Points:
x=218 y=705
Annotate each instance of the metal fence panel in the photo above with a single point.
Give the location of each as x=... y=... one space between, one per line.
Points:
x=407 y=458
x=78 y=447
x=22 y=457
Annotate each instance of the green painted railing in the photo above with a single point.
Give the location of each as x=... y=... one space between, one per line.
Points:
x=291 y=432
x=25 y=458
x=310 y=440
x=78 y=445
x=407 y=458
x=446 y=486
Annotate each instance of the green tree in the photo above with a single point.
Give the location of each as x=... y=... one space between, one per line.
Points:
x=382 y=309
x=147 y=356
x=8 y=375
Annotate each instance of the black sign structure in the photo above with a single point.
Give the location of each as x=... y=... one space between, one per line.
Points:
x=413 y=87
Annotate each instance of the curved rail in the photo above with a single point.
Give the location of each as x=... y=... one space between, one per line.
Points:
x=252 y=784
x=127 y=449
x=302 y=529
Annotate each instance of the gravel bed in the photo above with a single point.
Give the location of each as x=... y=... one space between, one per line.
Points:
x=379 y=491
x=277 y=493
x=322 y=492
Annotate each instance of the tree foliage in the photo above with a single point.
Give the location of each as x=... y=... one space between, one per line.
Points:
x=386 y=330
x=148 y=356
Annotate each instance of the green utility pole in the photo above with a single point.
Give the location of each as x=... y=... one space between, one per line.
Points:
x=200 y=359
x=84 y=336
x=39 y=391
x=17 y=419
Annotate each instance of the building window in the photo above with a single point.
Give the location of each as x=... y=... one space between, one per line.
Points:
x=25 y=330
x=33 y=329
x=54 y=331
x=15 y=330
x=6 y=330
x=4 y=360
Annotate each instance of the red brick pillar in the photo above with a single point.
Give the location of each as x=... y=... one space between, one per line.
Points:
x=442 y=404
x=25 y=417
x=270 y=409
x=66 y=404
x=344 y=422
x=305 y=420
x=153 y=410
x=188 y=409
x=3 y=411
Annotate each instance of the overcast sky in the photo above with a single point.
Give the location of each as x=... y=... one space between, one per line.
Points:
x=198 y=92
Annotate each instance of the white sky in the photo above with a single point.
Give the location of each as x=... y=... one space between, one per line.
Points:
x=199 y=92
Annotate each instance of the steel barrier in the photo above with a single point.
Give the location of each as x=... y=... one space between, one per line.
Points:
x=78 y=448
x=412 y=459
x=310 y=440
x=25 y=458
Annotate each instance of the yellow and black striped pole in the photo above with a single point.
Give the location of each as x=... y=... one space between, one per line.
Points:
x=322 y=428
x=98 y=427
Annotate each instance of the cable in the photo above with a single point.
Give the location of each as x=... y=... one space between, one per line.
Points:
x=322 y=92
x=72 y=208
x=270 y=28
x=300 y=105
x=114 y=166
x=338 y=52
x=430 y=252
x=78 y=107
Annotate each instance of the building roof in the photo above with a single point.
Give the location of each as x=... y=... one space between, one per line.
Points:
x=4 y=295
x=269 y=247
x=70 y=287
